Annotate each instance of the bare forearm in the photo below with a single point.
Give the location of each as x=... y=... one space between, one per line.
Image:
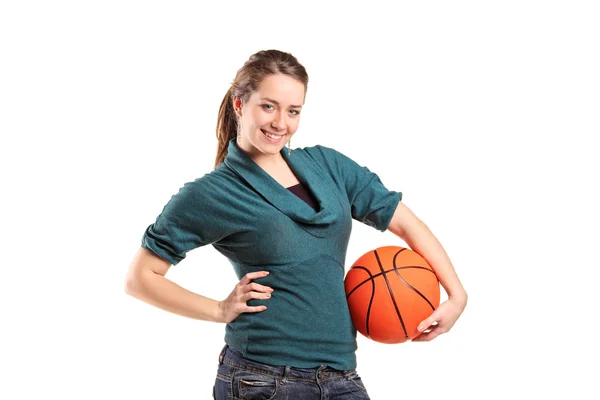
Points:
x=423 y=241
x=163 y=293
x=420 y=239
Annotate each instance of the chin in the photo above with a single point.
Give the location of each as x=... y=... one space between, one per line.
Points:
x=271 y=151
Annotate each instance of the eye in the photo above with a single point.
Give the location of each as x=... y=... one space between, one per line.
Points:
x=296 y=112
x=267 y=105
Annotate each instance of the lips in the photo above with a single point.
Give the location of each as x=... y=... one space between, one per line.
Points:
x=271 y=133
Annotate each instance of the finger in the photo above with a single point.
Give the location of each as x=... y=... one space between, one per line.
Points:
x=429 y=321
x=255 y=295
x=253 y=275
x=429 y=329
x=432 y=335
x=428 y=335
x=421 y=338
x=257 y=288
x=255 y=309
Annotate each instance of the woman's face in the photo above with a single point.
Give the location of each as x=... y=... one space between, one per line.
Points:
x=273 y=109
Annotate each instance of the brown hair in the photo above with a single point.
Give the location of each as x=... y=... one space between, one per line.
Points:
x=247 y=80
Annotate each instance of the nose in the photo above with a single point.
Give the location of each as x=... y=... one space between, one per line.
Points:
x=278 y=122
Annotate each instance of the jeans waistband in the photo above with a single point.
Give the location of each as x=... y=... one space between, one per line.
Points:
x=236 y=359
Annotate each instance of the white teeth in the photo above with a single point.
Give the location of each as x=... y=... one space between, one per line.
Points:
x=272 y=136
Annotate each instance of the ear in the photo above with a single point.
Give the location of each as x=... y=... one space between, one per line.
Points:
x=237 y=105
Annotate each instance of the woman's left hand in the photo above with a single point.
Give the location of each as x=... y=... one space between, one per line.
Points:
x=445 y=315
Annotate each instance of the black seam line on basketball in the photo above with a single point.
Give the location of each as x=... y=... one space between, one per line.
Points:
x=387 y=282
x=408 y=284
x=412 y=287
x=381 y=273
x=370 y=301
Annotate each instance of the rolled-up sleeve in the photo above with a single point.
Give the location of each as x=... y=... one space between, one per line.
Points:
x=189 y=220
x=371 y=202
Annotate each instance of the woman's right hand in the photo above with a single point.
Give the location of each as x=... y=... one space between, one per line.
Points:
x=235 y=303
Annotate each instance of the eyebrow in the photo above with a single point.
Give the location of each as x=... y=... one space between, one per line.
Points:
x=273 y=101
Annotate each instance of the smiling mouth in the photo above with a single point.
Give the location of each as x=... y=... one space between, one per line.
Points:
x=271 y=135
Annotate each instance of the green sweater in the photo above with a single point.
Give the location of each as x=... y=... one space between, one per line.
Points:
x=258 y=224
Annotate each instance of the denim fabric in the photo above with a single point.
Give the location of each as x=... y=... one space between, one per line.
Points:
x=239 y=378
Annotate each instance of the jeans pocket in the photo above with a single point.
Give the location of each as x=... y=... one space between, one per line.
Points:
x=252 y=385
x=355 y=379
x=224 y=372
x=222 y=387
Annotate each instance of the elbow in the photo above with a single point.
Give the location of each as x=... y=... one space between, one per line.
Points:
x=130 y=285
x=133 y=283
x=144 y=266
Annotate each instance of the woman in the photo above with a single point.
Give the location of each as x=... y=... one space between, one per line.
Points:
x=283 y=218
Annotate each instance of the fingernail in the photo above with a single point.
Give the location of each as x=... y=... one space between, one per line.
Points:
x=420 y=328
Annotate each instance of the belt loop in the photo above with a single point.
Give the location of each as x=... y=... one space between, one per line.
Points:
x=318 y=372
x=286 y=372
x=349 y=372
x=222 y=355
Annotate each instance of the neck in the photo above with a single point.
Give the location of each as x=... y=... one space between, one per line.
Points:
x=265 y=161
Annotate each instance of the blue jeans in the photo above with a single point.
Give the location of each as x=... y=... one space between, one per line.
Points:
x=239 y=378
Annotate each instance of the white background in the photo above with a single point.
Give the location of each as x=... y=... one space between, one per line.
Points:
x=484 y=114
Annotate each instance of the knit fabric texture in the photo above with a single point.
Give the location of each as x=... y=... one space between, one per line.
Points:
x=258 y=224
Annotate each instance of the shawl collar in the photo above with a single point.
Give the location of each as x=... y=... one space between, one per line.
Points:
x=322 y=223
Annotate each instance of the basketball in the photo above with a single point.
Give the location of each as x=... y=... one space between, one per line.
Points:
x=390 y=290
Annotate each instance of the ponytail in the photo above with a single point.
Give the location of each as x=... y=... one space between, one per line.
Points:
x=226 y=127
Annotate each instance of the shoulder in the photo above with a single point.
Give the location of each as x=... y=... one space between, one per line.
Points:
x=221 y=179
x=330 y=158
x=207 y=189
x=318 y=150
x=324 y=155
x=199 y=184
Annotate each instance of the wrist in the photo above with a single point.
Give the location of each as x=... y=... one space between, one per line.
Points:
x=459 y=298
x=218 y=312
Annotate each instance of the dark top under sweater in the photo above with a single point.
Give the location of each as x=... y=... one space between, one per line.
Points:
x=300 y=191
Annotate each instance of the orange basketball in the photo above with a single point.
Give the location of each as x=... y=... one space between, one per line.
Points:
x=390 y=290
